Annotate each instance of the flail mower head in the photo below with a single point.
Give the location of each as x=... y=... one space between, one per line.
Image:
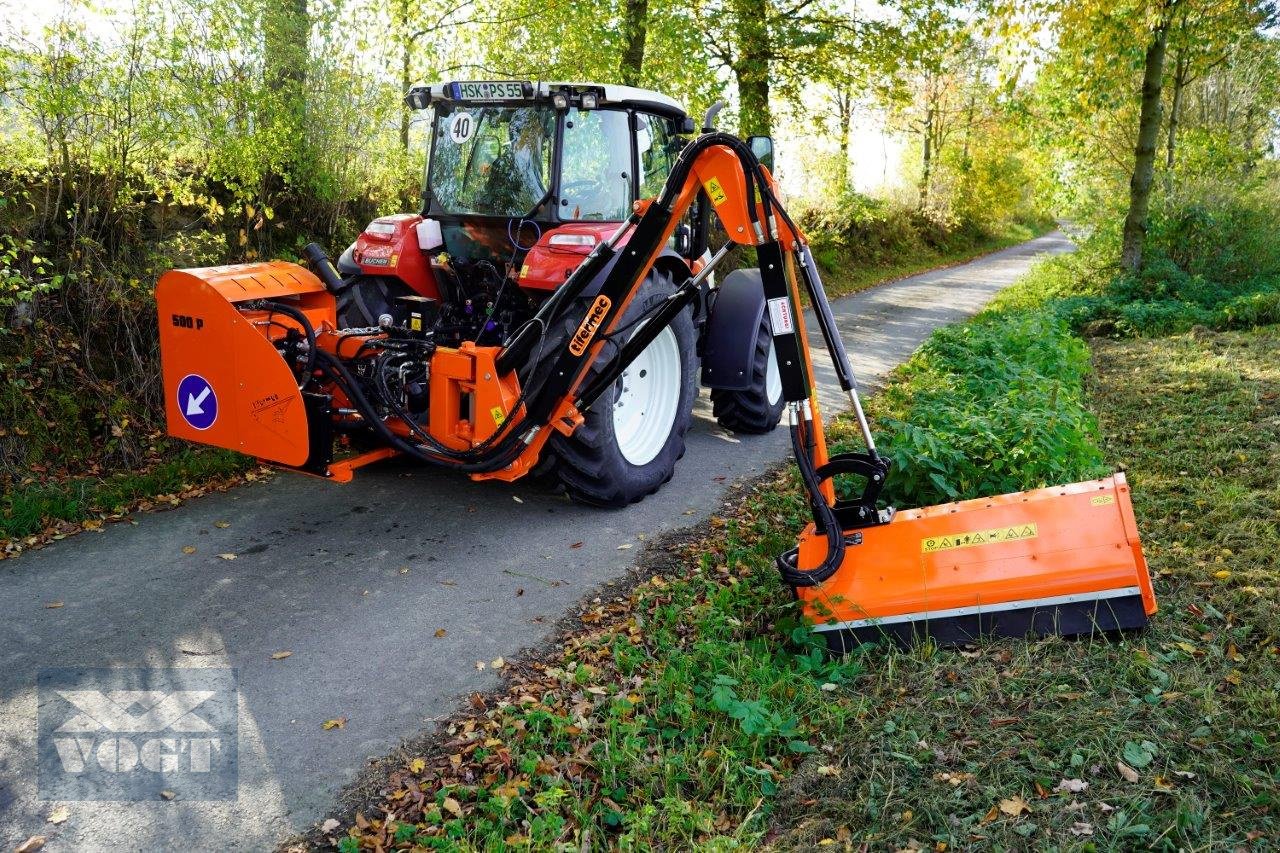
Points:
x=1064 y=560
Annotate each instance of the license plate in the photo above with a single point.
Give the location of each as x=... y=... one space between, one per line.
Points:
x=490 y=90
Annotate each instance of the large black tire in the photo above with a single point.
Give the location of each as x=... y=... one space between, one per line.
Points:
x=366 y=299
x=590 y=464
x=757 y=409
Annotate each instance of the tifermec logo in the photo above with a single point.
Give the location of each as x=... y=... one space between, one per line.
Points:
x=137 y=734
x=590 y=323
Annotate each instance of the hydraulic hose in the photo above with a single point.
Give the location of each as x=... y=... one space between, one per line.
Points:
x=309 y=330
x=351 y=388
x=788 y=562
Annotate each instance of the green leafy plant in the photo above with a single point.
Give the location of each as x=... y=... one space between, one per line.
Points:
x=989 y=407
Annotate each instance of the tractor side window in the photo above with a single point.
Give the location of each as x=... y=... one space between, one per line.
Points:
x=654 y=142
x=595 y=176
x=494 y=161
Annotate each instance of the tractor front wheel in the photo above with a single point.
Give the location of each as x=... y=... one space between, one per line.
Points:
x=756 y=409
x=633 y=434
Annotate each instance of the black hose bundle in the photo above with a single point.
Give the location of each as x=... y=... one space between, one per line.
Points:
x=307 y=329
x=788 y=562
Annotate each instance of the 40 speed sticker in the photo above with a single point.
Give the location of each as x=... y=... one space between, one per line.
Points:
x=972 y=538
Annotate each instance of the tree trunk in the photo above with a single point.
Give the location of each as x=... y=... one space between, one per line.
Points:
x=286 y=32
x=926 y=162
x=754 y=116
x=751 y=71
x=844 y=103
x=1135 y=223
x=635 y=17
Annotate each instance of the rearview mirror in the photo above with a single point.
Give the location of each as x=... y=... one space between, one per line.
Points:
x=762 y=147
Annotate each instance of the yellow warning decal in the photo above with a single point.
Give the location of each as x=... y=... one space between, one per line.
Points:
x=715 y=192
x=524 y=271
x=931 y=544
x=498 y=416
x=1102 y=500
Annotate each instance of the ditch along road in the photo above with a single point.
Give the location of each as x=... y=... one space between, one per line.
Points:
x=386 y=592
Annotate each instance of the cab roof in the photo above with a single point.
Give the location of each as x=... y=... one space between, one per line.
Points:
x=608 y=94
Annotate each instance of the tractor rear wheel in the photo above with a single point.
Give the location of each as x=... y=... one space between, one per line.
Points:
x=758 y=408
x=366 y=299
x=633 y=434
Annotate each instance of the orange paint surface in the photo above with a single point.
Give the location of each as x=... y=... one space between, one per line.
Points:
x=1063 y=540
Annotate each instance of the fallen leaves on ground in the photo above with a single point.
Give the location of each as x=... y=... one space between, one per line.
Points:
x=227 y=556
x=31 y=845
x=59 y=815
x=168 y=795
x=1014 y=806
x=59 y=529
x=52 y=605
x=1127 y=772
x=335 y=723
x=281 y=655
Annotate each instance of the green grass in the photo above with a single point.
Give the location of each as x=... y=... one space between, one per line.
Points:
x=33 y=506
x=987 y=407
x=942 y=738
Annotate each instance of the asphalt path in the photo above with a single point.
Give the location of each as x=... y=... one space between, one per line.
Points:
x=356 y=581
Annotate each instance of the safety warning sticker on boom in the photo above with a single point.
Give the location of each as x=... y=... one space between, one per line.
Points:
x=715 y=192
x=930 y=544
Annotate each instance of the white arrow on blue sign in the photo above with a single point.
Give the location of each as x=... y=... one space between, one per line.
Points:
x=197 y=401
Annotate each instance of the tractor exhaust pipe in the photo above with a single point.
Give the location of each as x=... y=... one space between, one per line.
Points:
x=318 y=262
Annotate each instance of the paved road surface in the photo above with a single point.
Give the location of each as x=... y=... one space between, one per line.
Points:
x=355 y=580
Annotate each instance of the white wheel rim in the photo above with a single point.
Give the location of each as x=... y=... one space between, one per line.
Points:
x=772 y=377
x=648 y=395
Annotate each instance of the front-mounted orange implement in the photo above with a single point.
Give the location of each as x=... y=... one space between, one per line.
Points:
x=578 y=351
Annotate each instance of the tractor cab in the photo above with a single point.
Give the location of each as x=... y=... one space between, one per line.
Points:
x=522 y=180
x=547 y=152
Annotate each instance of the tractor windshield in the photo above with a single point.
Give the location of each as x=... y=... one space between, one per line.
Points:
x=492 y=160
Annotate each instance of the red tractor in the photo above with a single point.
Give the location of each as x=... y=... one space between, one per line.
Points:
x=523 y=181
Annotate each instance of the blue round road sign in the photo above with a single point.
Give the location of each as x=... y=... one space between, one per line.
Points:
x=197 y=402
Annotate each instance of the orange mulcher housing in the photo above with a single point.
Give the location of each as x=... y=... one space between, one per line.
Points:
x=1062 y=560
x=254 y=361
